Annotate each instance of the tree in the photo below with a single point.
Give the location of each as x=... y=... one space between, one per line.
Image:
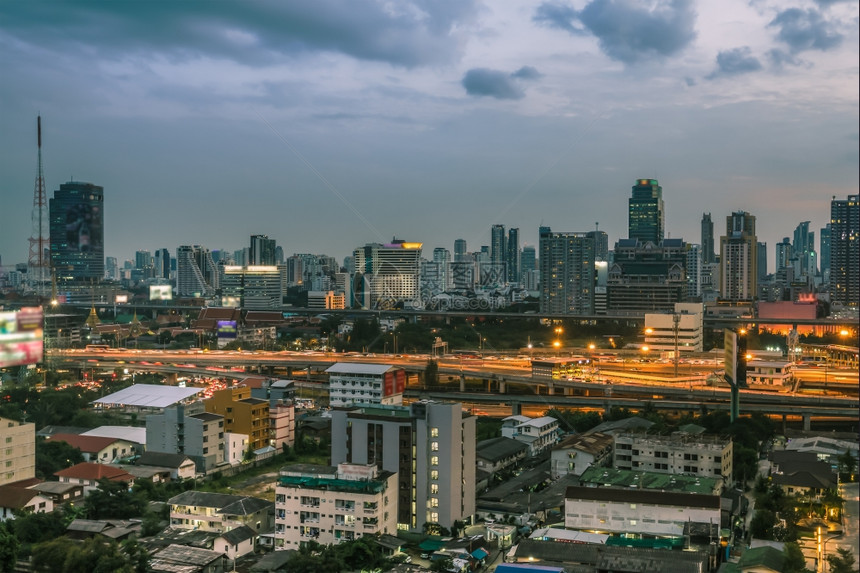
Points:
x=842 y=562
x=847 y=466
x=32 y=527
x=793 y=559
x=431 y=373
x=54 y=456
x=9 y=546
x=761 y=525
x=113 y=500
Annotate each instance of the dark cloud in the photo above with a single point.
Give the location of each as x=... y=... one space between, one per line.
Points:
x=527 y=73
x=806 y=30
x=558 y=15
x=628 y=30
x=414 y=32
x=735 y=62
x=780 y=58
x=492 y=83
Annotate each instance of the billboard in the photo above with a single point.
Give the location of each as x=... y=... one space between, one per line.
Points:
x=394 y=382
x=226 y=329
x=21 y=337
x=160 y=292
x=121 y=299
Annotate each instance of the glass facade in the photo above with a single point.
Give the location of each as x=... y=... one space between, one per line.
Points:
x=77 y=232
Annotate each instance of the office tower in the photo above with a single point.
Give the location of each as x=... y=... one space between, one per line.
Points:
x=738 y=258
x=388 y=273
x=761 y=262
x=845 y=250
x=824 y=241
x=262 y=251
x=162 y=264
x=783 y=254
x=196 y=273
x=528 y=260
x=295 y=270
x=804 y=250
x=442 y=256
x=646 y=221
x=432 y=279
x=601 y=245
x=567 y=273
x=707 y=239
x=279 y=255
x=431 y=447
x=257 y=287
x=647 y=277
x=512 y=256
x=459 y=250
x=77 y=232
x=694 y=269
x=497 y=244
x=142 y=259
x=111 y=269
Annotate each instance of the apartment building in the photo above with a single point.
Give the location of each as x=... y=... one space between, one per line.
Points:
x=354 y=383
x=219 y=512
x=429 y=445
x=17 y=451
x=537 y=433
x=333 y=504
x=577 y=453
x=187 y=430
x=679 y=453
x=243 y=414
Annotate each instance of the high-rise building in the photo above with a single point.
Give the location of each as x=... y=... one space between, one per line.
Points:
x=845 y=250
x=646 y=221
x=431 y=447
x=460 y=250
x=497 y=244
x=567 y=273
x=262 y=250
x=442 y=256
x=693 y=271
x=783 y=254
x=111 y=269
x=512 y=256
x=739 y=258
x=196 y=273
x=388 y=273
x=707 y=239
x=528 y=259
x=162 y=264
x=761 y=253
x=647 y=277
x=257 y=287
x=824 y=241
x=77 y=232
x=804 y=251
x=601 y=245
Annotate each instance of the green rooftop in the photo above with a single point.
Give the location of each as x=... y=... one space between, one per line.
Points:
x=333 y=484
x=596 y=476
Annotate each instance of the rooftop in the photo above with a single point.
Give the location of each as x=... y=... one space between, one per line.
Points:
x=335 y=484
x=148 y=395
x=643 y=496
x=608 y=477
x=359 y=368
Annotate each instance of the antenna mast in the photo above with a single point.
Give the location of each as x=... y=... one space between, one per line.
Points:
x=38 y=264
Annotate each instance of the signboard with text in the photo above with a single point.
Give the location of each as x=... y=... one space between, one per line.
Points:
x=21 y=337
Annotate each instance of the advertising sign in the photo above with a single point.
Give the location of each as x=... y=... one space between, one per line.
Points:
x=21 y=337
x=226 y=329
x=160 y=292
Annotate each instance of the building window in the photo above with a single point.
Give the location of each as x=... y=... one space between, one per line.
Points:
x=434 y=446
x=434 y=432
x=434 y=474
x=434 y=461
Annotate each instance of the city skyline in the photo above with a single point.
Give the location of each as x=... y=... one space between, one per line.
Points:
x=430 y=124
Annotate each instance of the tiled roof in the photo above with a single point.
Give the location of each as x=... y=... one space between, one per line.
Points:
x=224 y=503
x=15 y=497
x=87 y=444
x=90 y=471
x=163 y=460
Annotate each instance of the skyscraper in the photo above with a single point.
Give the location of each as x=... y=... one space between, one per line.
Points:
x=567 y=273
x=196 y=274
x=77 y=232
x=824 y=241
x=804 y=250
x=512 y=256
x=262 y=250
x=497 y=244
x=761 y=263
x=783 y=254
x=739 y=258
x=601 y=245
x=707 y=239
x=845 y=250
x=459 y=250
x=646 y=220
x=387 y=274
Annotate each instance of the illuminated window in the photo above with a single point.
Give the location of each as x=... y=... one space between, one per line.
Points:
x=434 y=432
x=434 y=446
x=434 y=474
x=434 y=461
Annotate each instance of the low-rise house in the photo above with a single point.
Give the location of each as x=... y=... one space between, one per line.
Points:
x=116 y=529
x=180 y=466
x=182 y=559
x=236 y=542
x=496 y=454
x=537 y=433
x=14 y=498
x=97 y=449
x=764 y=559
x=59 y=492
x=574 y=454
x=220 y=512
x=88 y=475
x=801 y=473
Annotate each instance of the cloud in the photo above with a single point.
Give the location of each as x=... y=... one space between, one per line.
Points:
x=735 y=62
x=255 y=32
x=492 y=83
x=627 y=30
x=806 y=30
x=527 y=73
x=557 y=15
x=780 y=58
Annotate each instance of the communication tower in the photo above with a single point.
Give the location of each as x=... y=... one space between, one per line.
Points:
x=38 y=263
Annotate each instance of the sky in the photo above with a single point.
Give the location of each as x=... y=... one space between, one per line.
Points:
x=328 y=124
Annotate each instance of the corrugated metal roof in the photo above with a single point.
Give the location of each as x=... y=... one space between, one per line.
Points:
x=358 y=368
x=148 y=395
x=128 y=433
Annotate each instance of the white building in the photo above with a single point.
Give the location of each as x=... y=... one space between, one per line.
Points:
x=326 y=300
x=703 y=455
x=537 y=433
x=333 y=504
x=257 y=287
x=610 y=510
x=576 y=453
x=770 y=372
x=430 y=445
x=357 y=383
x=661 y=332
x=387 y=274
